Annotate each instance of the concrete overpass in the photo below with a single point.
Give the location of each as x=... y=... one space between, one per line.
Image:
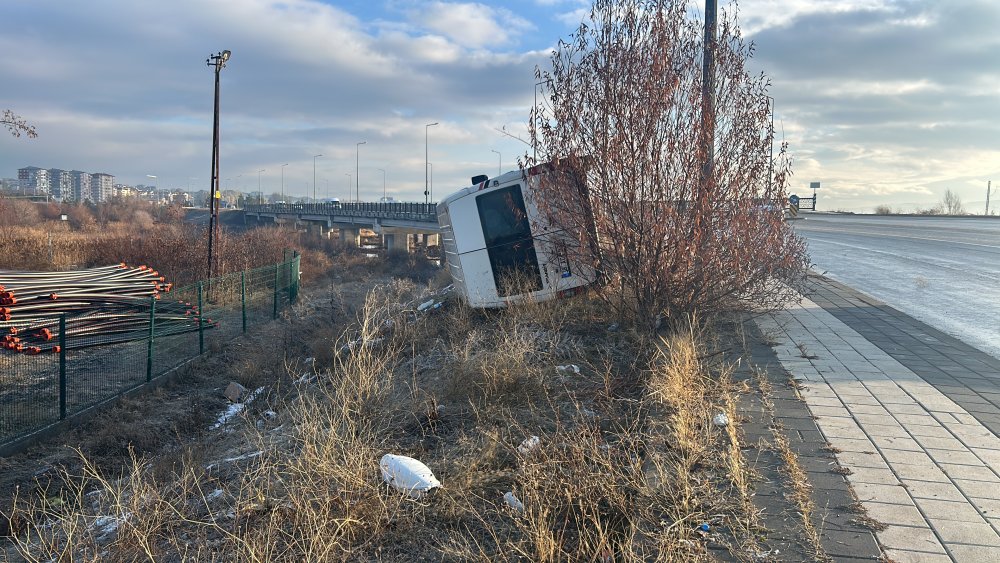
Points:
x=396 y=222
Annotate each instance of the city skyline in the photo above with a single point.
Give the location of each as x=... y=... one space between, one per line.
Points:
x=884 y=102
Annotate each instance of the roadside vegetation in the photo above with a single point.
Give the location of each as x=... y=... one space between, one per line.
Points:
x=950 y=205
x=628 y=464
x=32 y=237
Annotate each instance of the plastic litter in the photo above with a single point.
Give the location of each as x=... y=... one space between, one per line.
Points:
x=528 y=445
x=408 y=475
x=426 y=305
x=704 y=527
x=568 y=368
x=720 y=419
x=513 y=502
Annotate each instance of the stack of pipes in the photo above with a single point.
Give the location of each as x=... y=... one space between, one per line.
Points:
x=105 y=305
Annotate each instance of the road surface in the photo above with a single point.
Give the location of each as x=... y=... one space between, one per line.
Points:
x=943 y=271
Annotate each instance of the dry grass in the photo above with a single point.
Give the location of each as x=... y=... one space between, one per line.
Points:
x=800 y=490
x=628 y=468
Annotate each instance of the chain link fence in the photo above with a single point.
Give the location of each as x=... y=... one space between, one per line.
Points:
x=136 y=345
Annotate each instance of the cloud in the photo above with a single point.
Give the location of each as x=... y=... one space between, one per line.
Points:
x=474 y=25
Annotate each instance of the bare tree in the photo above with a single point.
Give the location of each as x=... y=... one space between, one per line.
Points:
x=622 y=122
x=17 y=125
x=952 y=204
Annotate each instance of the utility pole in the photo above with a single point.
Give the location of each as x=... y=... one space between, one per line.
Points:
x=988 y=184
x=218 y=61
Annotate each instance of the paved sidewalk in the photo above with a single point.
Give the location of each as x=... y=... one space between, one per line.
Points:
x=920 y=462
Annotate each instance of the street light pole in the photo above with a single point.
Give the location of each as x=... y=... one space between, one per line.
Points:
x=314 y=176
x=432 y=179
x=218 y=61
x=499 y=162
x=383 y=183
x=283 y=181
x=357 y=171
x=426 y=162
x=260 y=194
x=534 y=125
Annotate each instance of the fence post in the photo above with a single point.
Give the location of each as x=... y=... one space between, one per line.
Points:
x=296 y=265
x=277 y=270
x=243 y=298
x=149 y=343
x=62 y=366
x=291 y=296
x=201 y=321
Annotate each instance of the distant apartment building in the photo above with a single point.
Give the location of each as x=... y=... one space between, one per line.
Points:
x=102 y=187
x=61 y=184
x=33 y=180
x=81 y=185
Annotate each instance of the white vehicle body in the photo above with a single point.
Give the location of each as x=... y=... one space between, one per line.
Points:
x=492 y=232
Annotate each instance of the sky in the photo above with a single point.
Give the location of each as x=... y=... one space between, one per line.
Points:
x=881 y=101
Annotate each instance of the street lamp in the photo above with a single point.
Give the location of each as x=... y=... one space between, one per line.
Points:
x=499 y=161
x=357 y=171
x=534 y=125
x=383 y=183
x=260 y=194
x=426 y=161
x=314 y=176
x=218 y=62
x=770 y=163
x=283 y=181
x=431 y=164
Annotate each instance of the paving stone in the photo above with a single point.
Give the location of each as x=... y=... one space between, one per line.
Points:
x=977 y=553
x=851 y=444
x=893 y=494
x=947 y=510
x=979 y=489
x=910 y=538
x=893 y=430
x=873 y=475
x=990 y=508
x=861 y=459
x=895 y=514
x=897 y=443
x=971 y=473
x=933 y=490
x=937 y=431
x=903 y=556
x=976 y=533
x=921 y=472
x=906 y=456
x=908 y=420
x=848 y=544
x=955 y=457
x=934 y=442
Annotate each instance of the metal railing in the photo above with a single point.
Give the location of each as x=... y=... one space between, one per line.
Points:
x=421 y=212
x=39 y=390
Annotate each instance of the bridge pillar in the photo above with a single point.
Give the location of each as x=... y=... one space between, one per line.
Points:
x=350 y=236
x=395 y=242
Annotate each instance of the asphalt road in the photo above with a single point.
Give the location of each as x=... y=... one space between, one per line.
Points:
x=943 y=271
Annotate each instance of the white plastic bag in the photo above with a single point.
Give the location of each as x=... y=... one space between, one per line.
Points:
x=408 y=475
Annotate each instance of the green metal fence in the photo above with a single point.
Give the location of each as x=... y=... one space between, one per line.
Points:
x=37 y=391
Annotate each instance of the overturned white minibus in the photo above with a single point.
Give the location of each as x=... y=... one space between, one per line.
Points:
x=499 y=248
